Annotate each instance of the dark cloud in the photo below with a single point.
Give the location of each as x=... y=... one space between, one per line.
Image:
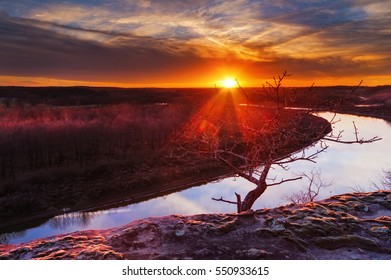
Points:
x=153 y=40
x=32 y=51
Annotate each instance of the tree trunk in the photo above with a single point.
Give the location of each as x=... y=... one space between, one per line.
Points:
x=253 y=195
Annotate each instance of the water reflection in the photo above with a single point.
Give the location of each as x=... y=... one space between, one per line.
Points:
x=348 y=166
x=77 y=219
x=7 y=238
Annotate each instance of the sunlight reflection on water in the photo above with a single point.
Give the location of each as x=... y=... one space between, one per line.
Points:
x=348 y=166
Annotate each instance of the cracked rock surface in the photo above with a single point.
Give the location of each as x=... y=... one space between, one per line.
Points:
x=349 y=226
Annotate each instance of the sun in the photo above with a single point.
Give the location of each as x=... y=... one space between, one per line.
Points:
x=229 y=83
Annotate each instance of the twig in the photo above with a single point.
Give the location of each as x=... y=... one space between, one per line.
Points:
x=360 y=141
x=223 y=200
x=244 y=92
x=284 y=181
x=356 y=87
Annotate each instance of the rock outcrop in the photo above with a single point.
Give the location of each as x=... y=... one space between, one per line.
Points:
x=349 y=226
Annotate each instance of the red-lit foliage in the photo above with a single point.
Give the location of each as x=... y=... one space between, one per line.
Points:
x=47 y=137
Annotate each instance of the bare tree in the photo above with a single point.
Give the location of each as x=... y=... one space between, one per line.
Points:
x=250 y=141
x=274 y=88
x=384 y=182
x=315 y=184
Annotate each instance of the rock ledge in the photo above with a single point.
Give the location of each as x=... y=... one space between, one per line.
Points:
x=349 y=226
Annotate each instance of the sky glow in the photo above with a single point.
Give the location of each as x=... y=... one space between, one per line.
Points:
x=184 y=43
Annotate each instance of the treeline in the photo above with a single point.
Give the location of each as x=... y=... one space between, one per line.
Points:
x=47 y=137
x=81 y=96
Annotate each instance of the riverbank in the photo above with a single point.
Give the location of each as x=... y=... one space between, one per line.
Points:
x=384 y=113
x=112 y=188
x=33 y=200
x=349 y=226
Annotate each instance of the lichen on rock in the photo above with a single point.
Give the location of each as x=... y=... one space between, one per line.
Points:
x=349 y=226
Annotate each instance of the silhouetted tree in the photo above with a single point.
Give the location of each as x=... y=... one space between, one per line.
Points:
x=311 y=191
x=250 y=140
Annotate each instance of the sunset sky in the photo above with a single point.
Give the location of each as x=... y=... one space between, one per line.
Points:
x=173 y=43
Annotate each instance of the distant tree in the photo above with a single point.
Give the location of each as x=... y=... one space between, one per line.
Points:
x=387 y=179
x=383 y=183
x=311 y=191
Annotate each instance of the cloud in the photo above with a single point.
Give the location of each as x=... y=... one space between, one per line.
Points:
x=26 y=49
x=153 y=40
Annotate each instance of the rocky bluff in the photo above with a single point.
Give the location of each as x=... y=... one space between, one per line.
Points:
x=349 y=226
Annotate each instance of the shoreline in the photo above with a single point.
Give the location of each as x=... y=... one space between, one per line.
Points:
x=383 y=116
x=347 y=226
x=117 y=201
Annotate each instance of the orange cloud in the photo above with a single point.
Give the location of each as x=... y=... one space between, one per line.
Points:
x=194 y=43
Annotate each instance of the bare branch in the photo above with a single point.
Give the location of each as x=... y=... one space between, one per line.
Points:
x=310 y=157
x=284 y=181
x=355 y=131
x=275 y=89
x=356 y=87
x=243 y=91
x=315 y=184
x=223 y=200
x=238 y=170
x=311 y=87
x=360 y=141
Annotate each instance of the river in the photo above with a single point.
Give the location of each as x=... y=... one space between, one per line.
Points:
x=348 y=167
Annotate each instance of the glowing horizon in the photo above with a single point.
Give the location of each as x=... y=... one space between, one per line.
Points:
x=42 y=82
x=150 y=43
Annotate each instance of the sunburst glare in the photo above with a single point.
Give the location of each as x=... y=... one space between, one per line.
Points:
x=229 y=83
